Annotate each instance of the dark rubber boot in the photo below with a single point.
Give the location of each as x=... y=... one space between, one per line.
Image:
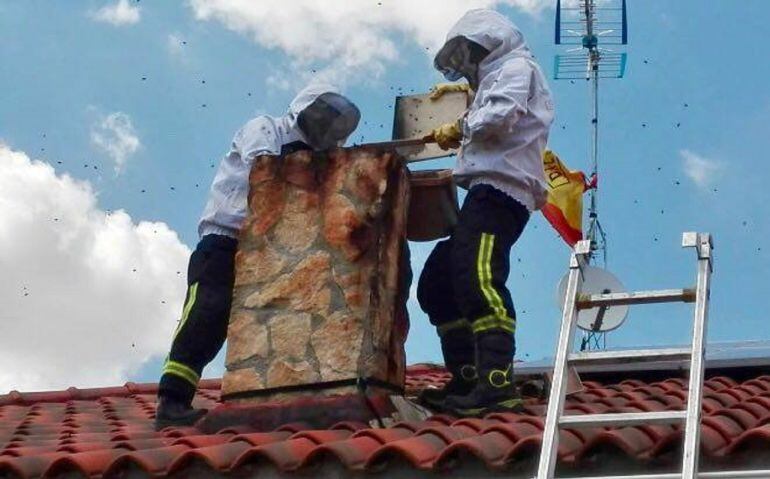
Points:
x=458 y=350
x=494 y=391
x=171 y=412
x=462 y=382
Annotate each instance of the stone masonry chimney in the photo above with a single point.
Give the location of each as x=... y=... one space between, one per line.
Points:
x=319 y=298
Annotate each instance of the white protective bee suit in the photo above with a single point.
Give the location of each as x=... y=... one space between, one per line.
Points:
x=226 y=208
x=505 y=130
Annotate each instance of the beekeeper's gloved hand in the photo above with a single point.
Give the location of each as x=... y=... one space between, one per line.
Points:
x=448 y=135
x=439 y=90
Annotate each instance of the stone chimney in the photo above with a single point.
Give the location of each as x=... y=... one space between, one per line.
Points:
x=319 y=298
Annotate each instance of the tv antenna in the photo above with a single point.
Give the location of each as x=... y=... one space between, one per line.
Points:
x=590 y=26
x=587 y=26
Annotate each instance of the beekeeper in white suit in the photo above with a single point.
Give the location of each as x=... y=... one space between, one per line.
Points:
x=318 y=118
x=502 y=137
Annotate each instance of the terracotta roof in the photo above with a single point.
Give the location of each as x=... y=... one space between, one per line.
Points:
x=105 y=431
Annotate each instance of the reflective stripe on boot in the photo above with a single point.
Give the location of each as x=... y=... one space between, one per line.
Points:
x=494 y=392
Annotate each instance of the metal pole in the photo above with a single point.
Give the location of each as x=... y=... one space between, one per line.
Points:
x=595 y=125
x=593 y=65
x=593 y=339
x=594 y=122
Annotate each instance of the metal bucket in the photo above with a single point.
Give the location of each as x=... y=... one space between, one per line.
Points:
x=433 y=208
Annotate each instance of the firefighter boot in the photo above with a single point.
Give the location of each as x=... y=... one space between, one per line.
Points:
x=494 y=391
x=173 y=412
x=458 y=350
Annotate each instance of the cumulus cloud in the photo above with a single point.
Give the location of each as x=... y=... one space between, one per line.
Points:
x=115 y=135
x=350 y=37
x=702 y=171
x=118 y=14
x=88 y=296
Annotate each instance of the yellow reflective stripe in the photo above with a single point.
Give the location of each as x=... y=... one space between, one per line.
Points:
x=484 y=267
x=191 y=297
x=456 y=324
x=184 y=372
x=511 y=403
x=493 y=322
x=496 y=299
x=499 y=318
x=498 y=372
x=480 y=270
x=483 y=323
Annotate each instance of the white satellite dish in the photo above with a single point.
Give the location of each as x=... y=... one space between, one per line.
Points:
x=597 y=281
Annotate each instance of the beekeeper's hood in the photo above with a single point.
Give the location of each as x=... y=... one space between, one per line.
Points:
x=492 y=31
x=321 y=116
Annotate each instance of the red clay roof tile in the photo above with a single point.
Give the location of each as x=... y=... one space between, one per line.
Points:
x=155 y=461
x=285 y=455
x=489 y=447
x=324 y=435
x=106 y=430
x=419 y=451
x=352 y=452
x=89 y=463
x=28 y=466
x=261 y=438
x=219 y=457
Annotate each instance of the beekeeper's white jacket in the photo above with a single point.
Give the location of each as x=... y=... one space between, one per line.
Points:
x=225 y=210
x=506 y=127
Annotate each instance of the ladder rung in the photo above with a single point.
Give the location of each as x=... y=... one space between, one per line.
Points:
x=629 y=356
x=622 y=419
x=587 y=301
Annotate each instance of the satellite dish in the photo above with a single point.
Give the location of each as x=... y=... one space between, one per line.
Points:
x=601 y=318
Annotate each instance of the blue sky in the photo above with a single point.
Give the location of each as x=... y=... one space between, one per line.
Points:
x=683 y=136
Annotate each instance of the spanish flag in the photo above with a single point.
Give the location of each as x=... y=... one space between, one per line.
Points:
x=564 y=207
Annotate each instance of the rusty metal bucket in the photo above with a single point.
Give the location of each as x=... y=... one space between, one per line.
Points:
x=433 y=208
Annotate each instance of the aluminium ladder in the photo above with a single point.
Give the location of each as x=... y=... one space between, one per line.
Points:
x=573 y=302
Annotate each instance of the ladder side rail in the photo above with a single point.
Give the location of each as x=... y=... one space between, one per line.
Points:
x=557 y=396
x=741 y=474
x=691 y=447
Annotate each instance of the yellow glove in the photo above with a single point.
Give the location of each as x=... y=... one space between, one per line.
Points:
x=438 y=91
x=448 y=135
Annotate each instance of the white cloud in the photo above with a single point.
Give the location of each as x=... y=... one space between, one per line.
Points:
x=356 y=38
x=702 y=171
x=120 y=13
x=74 y=310
x=175 y=45
x=115 y=135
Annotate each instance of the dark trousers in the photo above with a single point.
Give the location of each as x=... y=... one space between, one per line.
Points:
x=462 y=286
x=202 y=328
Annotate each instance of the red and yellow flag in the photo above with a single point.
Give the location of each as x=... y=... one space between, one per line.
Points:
x=564 y=208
